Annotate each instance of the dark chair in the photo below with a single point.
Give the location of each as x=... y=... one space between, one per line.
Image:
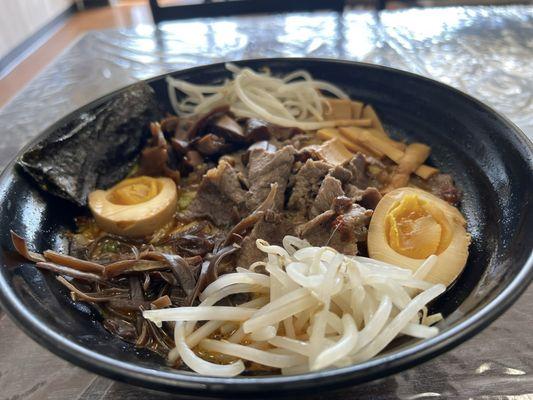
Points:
x=239 y=7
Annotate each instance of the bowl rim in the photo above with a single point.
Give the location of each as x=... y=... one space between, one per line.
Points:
x=190 y=383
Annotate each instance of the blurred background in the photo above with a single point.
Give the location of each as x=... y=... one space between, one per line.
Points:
x=34 y=32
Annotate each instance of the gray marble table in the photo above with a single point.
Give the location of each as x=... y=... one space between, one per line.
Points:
x=486 y=52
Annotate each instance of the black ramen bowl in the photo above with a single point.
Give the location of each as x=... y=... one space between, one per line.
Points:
x=489 y=157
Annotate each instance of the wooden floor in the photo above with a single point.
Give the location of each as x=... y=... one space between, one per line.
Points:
x=125 y=13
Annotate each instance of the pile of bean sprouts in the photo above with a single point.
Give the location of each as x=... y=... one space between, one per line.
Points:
x=311 y=308
x=295 y=100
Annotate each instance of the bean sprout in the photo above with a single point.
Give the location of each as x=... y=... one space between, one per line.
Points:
x=295 y=100
x=314 y=309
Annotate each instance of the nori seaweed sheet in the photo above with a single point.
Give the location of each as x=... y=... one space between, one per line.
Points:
x=96 y=149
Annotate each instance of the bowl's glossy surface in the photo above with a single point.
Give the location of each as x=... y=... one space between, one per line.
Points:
x=491 y=160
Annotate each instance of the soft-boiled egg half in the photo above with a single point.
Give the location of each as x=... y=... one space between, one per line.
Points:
x=135 y=207
x=410 y=224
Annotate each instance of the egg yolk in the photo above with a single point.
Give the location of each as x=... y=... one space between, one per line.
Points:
x=134 y=191
x=417 y=228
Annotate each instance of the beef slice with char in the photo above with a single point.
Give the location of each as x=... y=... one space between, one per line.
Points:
x=329 y=189
x=272 y=227
x=352 y=225
x=264 y=169
x=440 y=185
x=318 y=230
x=220 y=197
x=306 y=184
x=340 y=231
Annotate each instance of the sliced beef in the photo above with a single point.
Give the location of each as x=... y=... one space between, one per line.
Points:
x=352 y=191
x=306 y=153
x=341 y=204
x=282 y=133
x=220 y=197
x=306 y=184
x=329 y=189
x=266 y=168
x=342 y=174
x=318 y=230
x=272 y=227
x=357 y=166
x=356 y=181
x=263 y=144
x=301 y=140
x=340 y=231
x=370 y=197
x=352 y=225
x=235 y=160
x=441 y=185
